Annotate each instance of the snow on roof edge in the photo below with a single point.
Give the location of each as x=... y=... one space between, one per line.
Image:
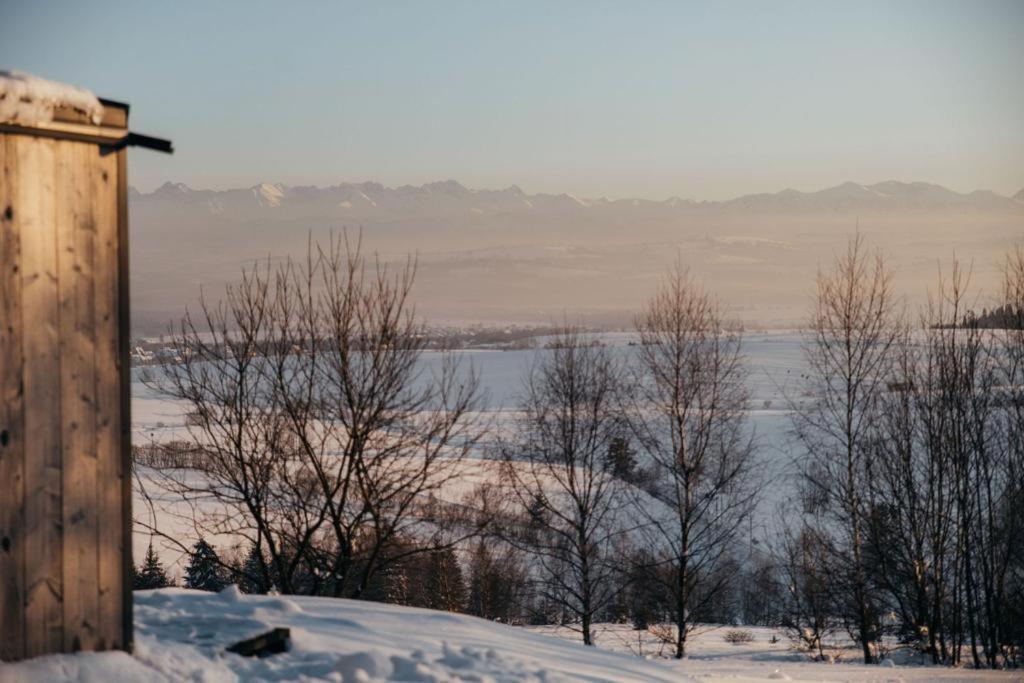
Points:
x=29 y=100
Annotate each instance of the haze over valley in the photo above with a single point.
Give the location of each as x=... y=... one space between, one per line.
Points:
x=495 y=256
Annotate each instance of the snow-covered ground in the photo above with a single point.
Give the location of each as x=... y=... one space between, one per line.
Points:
x=711 y=658
x=775 y=367
x=181 y=636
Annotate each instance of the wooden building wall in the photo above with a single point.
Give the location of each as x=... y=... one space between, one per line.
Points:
x=64 y=420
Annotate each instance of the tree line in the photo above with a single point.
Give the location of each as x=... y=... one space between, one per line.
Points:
x=622 y=487
x=912 y=519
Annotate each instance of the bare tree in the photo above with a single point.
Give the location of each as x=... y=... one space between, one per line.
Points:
x=689 y=420
x=850 y=357
x=910 y=526
x=324 y=435
x=964 y=396
x=498 y=582
x=1011 y=345
x=943 y=478
x=556 y=470
x=805 y=571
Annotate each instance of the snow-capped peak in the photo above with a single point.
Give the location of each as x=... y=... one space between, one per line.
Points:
x=170 y=188
x=447 y=186
x=268 y=194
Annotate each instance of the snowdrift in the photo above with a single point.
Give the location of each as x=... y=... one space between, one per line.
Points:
x=181 y=635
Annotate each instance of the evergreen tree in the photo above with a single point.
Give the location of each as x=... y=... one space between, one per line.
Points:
x=394 y=582
x=620 y=461
x=152 y=574
x=481 y=590
x=205 y=571
x=446 y=587
x=645 y=594
x=497 y=586
x=254 y=574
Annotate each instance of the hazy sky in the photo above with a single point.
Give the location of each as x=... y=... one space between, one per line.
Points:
x=649 y=99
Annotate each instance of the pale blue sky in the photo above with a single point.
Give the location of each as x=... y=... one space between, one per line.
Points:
x=649 y=99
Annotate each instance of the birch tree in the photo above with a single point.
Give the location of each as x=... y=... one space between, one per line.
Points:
x=556 y=466
x=689 y=420
x=853 y=332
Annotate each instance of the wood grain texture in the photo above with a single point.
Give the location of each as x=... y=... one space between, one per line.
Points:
x=75 y=242
x=65 y=423
x=36 y=196
x=12 y=426
x=110 y=476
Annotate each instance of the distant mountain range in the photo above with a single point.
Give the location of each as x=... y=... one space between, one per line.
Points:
x=502 y=255
x=373 y=200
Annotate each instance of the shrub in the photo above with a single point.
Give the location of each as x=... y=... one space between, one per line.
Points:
x=738 y=637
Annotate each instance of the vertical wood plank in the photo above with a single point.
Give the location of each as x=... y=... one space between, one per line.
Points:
x=42 y=391
x=12 y=428
x=75 y=230
x=108 y=407
x=125 y=391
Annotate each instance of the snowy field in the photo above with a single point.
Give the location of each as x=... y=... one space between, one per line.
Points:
x=181 y=636
x=711 y=658
x=774 y=374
